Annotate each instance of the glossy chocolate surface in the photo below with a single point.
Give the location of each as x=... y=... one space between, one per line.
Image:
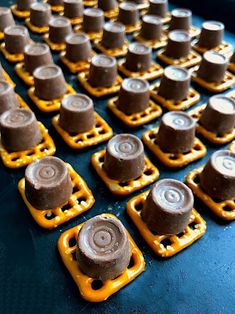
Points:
x=128 y=13
x=35 y=55
x=6 y=18
x=93 y=20
x=16 y=38
x=59 y=28
x=181 y=19
x=78 y=47
x=40 y=14
x=8 y=98
x=158 y=7
x=138 y=58
x=107 y=5
x=151 y=28
x=24 y=5
x=73 y=8
x=178 y=45
x=212 y=34
x=113 y=35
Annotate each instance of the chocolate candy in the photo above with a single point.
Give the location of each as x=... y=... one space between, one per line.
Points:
x=78 y=47
x=176 y=132
x=47 y=183
x=59 y=28
x=113 y=35
x=49 y=82
x=40 y=14
x=24 y=5
x=175 y=83
x=178 y=45
x=8 y=99
x=107 y=5
x=139 y=57
x=103 y=248
x=19 y=130
x=93 y=20
x=103 y=71
x=219 y=115
x=77 y=113
x=56 y=2
x=218 y=176
x=133 y=95
x=212 y=34
x=35 y=55
x=158 y=7
x=128 y=14
x=124 y=158
x=73 y=8
x=16 y=38
x=180 y=19
x=168 y=207
x=212 y=67
x=151 y=27
x=6 y=18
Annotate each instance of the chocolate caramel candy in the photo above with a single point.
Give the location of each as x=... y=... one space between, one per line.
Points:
x=139 y=57
x=103 y=248
x=158 y=7
x=35 y=55
x=77 y=113
x=47 y=183
x=219 y=115
x=19 y=130
x=93 y=20
x=178 y=45
x=8 y=98
x=59 y=28
x=168 y=207
x=124 y=158
x=133 y=95
x=128 y=14
x=151 y=27
x=6 y=18
x=218 y=176
x=212 y=67
x=78 y=47
x=49 y=82
x=212 y=34
x=175 y=83
x=16 y=38
x=40 y=14
x=103 y=71
x=73 y=8
x=180 y=19
x=113 y=35
x=56 y=2
x=107 y=5
x=176 y=132
x=24 y=5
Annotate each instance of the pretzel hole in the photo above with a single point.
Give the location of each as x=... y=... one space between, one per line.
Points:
x=196 y=179
x=72 y=242
x=90 y=135
x=75 y=189
x=96 y=284
x=102 y=131
x=181 y=234
x=227 y=208
x=101 y=159
x=50 y=215
x=139 y=206
x=80 y=200
x=131 y=263
x=74 y=256
x=193 y=225
x=166 y=242
x=66 y=207
x=78 y=140
x=195 y=116
x=148 y=172
x=122 y=184
x=152 y=135
x=173 y=157
x=14 y=158
x=197 y=147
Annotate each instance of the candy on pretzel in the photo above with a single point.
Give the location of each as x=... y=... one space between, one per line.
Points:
x=11 y=57
x=19 y=13
x=186 y=62
x=114 y=52
x=36 y=29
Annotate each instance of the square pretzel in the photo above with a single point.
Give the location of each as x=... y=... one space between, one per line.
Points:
x=193 y=31
x=150 y=174
x=171 y=105
x=8 y=78
x=75 y=67
x=165 y=245
x=232 y=147
x=173 y=160
x=86 y=284
x=91 y=35
x=152 y=73
x=155 y=44
x=11 y=57
x=56 y=8
x=152 y=112
x=98 y=91
x=101 y=132
x=18 y=13
x=26 y=77
x=214 y=138
x=79 y=202
x=223 y=209
x=186 y=62
x=23 y=158
x=223 y=48
x=36 y=29
x=48 y=105
x=53 y=46
x=114 y=52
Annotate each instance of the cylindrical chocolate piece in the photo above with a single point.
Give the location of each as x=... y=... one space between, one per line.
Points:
x=6 y=18
x=180 y=19
x=178 y=45
x=212 y=67
x=49 y=82
x=151 y=27
x=8 y=98
x=168 y=207
x=77 y=113
x=219 y=115
x=47 y=183
x=107 y=5
x=103 y=71
x=139 y=57
x=16 y=38
x=56 y=2
x=218 y=176
x=73 y=8
x=24 y=5
x=212 y=34
x=176 y=132
x=124 y=158
x=19 y=130
x=103 y=248
x=93 y=20
x=78 y=47
x=59 y=28
x=35 y=55
x=158 y=7
x=128 y=13
x=133 y=95
x=113 y=35
x=175 y=83
x=40 y=14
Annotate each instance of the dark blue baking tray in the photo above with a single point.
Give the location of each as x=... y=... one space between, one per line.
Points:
x=201 y=279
